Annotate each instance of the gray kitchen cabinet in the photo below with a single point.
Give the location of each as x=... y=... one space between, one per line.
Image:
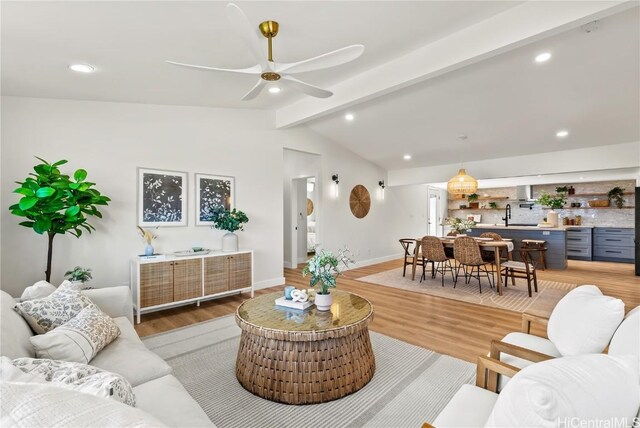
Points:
x=579 y=243
x=613 y=244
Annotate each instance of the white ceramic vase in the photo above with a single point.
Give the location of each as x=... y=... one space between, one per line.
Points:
x=324 y=301
x=552 y=218
x=229 y=242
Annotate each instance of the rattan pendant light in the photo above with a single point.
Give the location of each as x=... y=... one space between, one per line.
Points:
x=463 y=183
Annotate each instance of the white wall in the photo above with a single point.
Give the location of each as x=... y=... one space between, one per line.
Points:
x=111 y=140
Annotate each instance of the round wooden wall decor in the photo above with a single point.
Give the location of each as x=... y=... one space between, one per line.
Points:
x=360 y=201
x=309 y=207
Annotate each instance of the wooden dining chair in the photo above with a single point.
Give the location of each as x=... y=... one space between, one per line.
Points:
x=467 y=254
x=409 y=254
x=526 y=269
x=433 y=252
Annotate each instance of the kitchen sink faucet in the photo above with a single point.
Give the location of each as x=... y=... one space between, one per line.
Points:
x=507 y=215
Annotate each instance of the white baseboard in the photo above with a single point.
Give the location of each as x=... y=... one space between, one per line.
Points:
x=268 y=283
x=369 y=262
x=287 y=265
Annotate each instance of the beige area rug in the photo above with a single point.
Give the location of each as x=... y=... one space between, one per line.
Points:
x=514 y=298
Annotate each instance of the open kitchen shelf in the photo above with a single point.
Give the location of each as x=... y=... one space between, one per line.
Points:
x=593 y=208
x=481 y=198
x=586 y=195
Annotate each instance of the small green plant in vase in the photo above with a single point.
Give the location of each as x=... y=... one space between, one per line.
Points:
x=78 y=275
x=323 y=268
x=493 y=205
x=231 y=221
x=555 y=202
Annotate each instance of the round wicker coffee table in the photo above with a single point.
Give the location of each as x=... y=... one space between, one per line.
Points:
x=304 y=357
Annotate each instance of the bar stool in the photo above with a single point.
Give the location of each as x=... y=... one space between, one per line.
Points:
x=536 y=247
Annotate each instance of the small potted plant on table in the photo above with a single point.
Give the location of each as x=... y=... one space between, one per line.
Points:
x=231 y=221
x=555 y=202
x=324 y=267
x=78 y=275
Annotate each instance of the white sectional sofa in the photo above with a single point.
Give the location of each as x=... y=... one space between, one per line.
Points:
x=157 y=391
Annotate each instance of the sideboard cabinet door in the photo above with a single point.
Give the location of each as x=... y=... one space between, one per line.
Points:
x=216 y=277
x=187 y=279
x=239 y=271
x=156 y=284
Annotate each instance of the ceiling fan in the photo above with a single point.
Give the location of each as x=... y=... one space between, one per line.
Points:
x=270 y=71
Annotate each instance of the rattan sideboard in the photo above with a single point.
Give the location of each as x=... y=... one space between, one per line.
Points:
x=173 y=281
x=305 y=357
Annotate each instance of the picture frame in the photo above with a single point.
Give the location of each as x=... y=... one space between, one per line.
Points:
x=213 y=191
x=162 y=198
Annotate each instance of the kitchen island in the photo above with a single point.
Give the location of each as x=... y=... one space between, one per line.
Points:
x=556 y=238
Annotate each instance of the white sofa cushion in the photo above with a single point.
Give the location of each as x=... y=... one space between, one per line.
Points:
x=584 y=321
x=36 y=405
x=14 y=340
x=37 y=291
x=595 y=387
x=45 y=314
x=79 y=339
x=528 y=341
x=166 y=399
x=626 y=339
x=76 y=376
x=128 y=356
x=470 y=407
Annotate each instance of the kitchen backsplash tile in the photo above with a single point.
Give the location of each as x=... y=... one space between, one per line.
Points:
x=590 y=217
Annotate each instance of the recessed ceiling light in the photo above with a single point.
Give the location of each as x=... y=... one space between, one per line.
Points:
x=581 y=178
x=543 y=57
x=274 y=89
x=349 y=117
x=561 y=134
x=82 y=68
x=406 y=157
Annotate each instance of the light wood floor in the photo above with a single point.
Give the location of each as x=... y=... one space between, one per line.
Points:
x=451 y=327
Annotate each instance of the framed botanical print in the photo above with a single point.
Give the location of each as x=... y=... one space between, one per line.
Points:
x=213 y=191
x=162 y=197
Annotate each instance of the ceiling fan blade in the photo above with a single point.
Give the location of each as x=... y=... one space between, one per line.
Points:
x=255 y=90
x=248 y=34
x=329 y=59
x=256 y=69
x=308 y=89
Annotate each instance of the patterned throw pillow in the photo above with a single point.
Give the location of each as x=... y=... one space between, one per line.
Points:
x=45 y=314
x=79 y=339
x=80 y=377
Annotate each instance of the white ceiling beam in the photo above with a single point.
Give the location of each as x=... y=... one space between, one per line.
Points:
x=516 y=27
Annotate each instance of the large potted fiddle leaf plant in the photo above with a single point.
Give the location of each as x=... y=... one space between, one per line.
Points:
x=54 y=203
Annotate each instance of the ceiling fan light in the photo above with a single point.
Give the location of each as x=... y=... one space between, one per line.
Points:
x=462 y=184
x=274 y=89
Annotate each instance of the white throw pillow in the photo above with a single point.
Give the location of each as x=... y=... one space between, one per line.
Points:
x=44 y=405
x=79 y=339
x=45 y=314
x=37 y=291
x=570 y=391
x=584 y=321
x=79 y=377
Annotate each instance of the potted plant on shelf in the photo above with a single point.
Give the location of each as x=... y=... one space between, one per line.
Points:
x=324 y=267
x=616 y=195
x=562 y=189
x=473 y=201
x=493 y=205
x=458 y=225
x=555 y=202
x=78 y=275
x=55 y=203
x=231 y=221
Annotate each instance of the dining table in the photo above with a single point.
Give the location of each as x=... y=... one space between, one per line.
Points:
x=485 y=243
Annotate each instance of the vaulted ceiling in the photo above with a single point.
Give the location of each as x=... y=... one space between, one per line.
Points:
x=431 y=70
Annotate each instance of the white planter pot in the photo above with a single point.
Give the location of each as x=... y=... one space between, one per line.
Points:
x=229 y=242
x=324 y=301
x=552 y=218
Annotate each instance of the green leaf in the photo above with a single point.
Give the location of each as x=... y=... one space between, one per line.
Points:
x=72 y=211
x=74 y=186
x=27 y=223
x=27 y=202
x=60 y=162
x=24 y=191
x=42 y=225
x=44 y=192
x=80 y=175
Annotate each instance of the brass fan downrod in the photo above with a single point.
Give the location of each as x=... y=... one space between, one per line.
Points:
x=269 y=29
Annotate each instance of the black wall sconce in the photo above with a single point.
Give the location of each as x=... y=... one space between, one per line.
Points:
x=381 y=184
x=334 y=177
